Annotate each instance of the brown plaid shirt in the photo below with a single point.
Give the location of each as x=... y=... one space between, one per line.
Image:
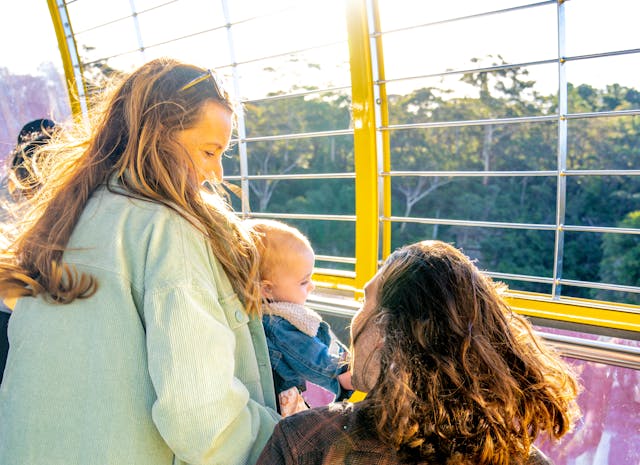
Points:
x=336 y=435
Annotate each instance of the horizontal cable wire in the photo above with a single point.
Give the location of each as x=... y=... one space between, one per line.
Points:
x=301 y=135
x=507 y=225
x=468 y=173
x=516 y=120
x=477 y=122
x=297 y=94
x=462 y=18
x=335 y=259
x=291 y=52
x=510 y=173
x=293 y=176
x=124 y=17
x=158 y=44
x=519 y=277
x=486 y=69
x=600 y=229
x=302 y=216
x=601 y=172
x=506 y=66
x=475 y=224
x=602 y=54
x=595 y=351
x=603 y=286
x=602 y=114
x=235 y=23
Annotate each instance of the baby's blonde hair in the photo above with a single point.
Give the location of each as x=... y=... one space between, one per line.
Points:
x=275 y=240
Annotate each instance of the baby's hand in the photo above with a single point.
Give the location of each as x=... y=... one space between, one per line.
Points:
x=345 y=380
x=291 y=401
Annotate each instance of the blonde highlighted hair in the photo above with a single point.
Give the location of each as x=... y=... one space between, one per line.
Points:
x=131 y=141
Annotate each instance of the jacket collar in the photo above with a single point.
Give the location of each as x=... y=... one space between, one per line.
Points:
x=303 y=318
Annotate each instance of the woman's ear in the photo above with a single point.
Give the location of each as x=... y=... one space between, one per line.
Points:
x=266 y=287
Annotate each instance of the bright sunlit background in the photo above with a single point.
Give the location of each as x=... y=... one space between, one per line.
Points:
x=477 y=151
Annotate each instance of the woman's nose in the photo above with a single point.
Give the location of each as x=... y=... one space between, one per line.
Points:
x=218 y=170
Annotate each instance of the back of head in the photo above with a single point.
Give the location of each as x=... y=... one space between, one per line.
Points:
x=276 y=241
x=23 y=173
x=461 y=375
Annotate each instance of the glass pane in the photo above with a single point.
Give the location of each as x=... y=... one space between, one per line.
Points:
x=476 y=198
x=241 y=10
x=604 y=84
x=113 y=39
x=143 y=5
x=321 y=68
x=602 y=200
x=310 y=25
x=292 y=115
x=604 y=143
x=335 y=238
x=85 y=15
x=330 y=154
x=303 y=196
x=159 y=25
x=609 y=258
x=511 y=147
x=516 y=37
x=520 y=91
x=591 y=28
x=208 y=50
x=397 y=14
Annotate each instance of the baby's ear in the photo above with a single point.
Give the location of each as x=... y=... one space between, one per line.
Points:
x=266 y=287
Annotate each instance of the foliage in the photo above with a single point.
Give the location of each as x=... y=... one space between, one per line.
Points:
x=621 y=258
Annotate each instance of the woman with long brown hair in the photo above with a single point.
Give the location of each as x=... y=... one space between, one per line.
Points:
x=453 y=376
x=136 y=335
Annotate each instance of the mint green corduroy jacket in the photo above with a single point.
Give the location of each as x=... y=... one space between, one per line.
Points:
x=161 y=366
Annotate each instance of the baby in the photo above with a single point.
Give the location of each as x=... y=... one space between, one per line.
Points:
x=301 y=345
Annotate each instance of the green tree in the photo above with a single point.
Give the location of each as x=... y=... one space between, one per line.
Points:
x=621 y=258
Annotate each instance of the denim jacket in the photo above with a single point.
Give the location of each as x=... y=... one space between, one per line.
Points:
x=302 y=348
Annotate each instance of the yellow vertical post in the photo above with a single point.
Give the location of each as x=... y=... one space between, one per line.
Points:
x=69 y=55
x=365 y=155
x=384 y=139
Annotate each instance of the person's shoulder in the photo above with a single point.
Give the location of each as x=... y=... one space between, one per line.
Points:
x=332 y=413
x=133 y=210
x=337 y=430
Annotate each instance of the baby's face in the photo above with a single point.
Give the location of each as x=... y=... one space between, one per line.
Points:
x=291 y=281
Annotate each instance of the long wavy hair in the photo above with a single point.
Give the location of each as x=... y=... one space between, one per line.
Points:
x=131 y=142
x=463 y=379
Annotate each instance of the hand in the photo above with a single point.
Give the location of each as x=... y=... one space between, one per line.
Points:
x=345 y=380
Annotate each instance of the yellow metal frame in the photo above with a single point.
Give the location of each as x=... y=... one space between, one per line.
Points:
x=65 y=55
x=364 y=142
x=332 y=281
x=384 y=136
x=573 y=310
